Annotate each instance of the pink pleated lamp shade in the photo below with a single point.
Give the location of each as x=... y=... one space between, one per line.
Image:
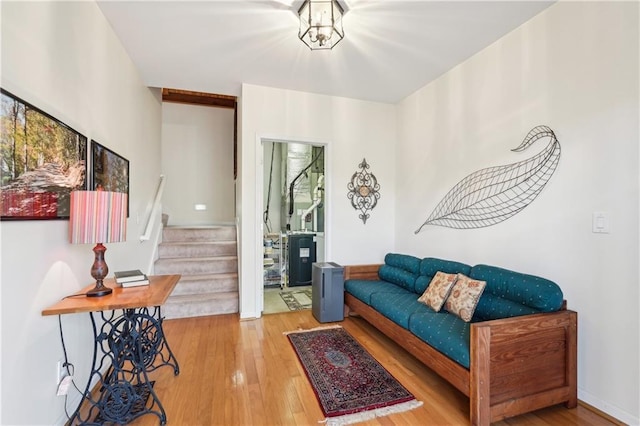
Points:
x=97 y=217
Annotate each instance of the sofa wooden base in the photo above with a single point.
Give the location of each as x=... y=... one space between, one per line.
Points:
x=517 y=365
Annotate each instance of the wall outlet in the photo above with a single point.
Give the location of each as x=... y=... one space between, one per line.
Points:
x=61 y=371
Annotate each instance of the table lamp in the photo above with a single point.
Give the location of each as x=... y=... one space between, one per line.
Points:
x=98 y=217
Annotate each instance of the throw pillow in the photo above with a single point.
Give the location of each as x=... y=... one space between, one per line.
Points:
x=438 y=290
x=464 y=297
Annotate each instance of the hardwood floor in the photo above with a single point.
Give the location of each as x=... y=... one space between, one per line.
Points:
x=245 y=373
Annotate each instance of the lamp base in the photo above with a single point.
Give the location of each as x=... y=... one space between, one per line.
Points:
x=99 y=271
x=99 y=290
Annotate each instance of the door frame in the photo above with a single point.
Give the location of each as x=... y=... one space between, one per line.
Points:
x=259 y=248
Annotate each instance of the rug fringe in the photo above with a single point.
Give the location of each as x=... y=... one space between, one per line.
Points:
x=322 y=327
x=362 y=416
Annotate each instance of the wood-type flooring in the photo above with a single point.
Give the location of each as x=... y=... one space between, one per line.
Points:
x=245 y=372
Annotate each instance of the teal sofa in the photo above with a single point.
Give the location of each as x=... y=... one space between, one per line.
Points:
x=516 y=354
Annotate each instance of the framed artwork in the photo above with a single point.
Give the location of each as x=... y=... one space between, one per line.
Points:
x=41 y=161
x=109 y=170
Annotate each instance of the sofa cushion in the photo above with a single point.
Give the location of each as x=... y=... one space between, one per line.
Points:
x=398 y=307
x=530 y=291
x=363 y=289
x=444 y=332
x=397 y=276
x=464 y=297
x=438 y=290
x=430 y=265
x=403 y=261
x=492 y=307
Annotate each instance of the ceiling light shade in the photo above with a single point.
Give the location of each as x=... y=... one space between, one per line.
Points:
x=321 y=23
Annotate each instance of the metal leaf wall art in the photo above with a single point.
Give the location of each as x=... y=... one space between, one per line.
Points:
x=494 y=194
x=363 y=191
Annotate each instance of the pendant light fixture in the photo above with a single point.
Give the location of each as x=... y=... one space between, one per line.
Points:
x=321 y=23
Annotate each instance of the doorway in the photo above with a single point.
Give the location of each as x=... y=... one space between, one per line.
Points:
x=199 y=157
x=294 y=206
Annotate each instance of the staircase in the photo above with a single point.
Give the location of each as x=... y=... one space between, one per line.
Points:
x=206 y=257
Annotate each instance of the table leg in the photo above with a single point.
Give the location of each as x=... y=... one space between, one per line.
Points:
x=156 y=351
x=132 y=344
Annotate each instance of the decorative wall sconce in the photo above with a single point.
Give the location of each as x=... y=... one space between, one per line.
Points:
x=363 y=191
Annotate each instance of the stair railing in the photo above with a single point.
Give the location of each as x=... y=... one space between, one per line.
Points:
x=156 y=205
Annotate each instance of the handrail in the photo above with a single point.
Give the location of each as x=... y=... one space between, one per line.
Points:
x=156 y=205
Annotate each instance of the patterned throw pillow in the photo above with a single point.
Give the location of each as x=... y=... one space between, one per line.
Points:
x=464 y=297
x=438 y=290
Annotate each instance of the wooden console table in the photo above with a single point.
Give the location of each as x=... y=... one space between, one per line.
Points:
x=128 y=343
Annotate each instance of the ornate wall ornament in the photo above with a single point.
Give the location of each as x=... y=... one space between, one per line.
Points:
x=363 y=191
x=494 y=194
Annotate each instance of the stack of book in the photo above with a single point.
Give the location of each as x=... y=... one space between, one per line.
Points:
x=131 y=278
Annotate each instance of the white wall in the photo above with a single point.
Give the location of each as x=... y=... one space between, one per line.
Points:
x=65 y=59
x=197 y=160
x=352 y=130
x=574 y=68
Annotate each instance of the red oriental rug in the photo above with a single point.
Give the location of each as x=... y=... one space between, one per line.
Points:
x=350 y=384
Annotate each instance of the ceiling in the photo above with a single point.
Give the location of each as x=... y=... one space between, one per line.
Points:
x=391 y=48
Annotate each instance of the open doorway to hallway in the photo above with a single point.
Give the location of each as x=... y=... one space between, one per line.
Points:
x=294 y=206
x=198 y=157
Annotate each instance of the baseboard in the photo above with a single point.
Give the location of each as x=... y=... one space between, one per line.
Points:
x=249 y=316
x=607 y=410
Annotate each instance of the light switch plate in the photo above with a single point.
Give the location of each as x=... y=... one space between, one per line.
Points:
x=601 y=223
